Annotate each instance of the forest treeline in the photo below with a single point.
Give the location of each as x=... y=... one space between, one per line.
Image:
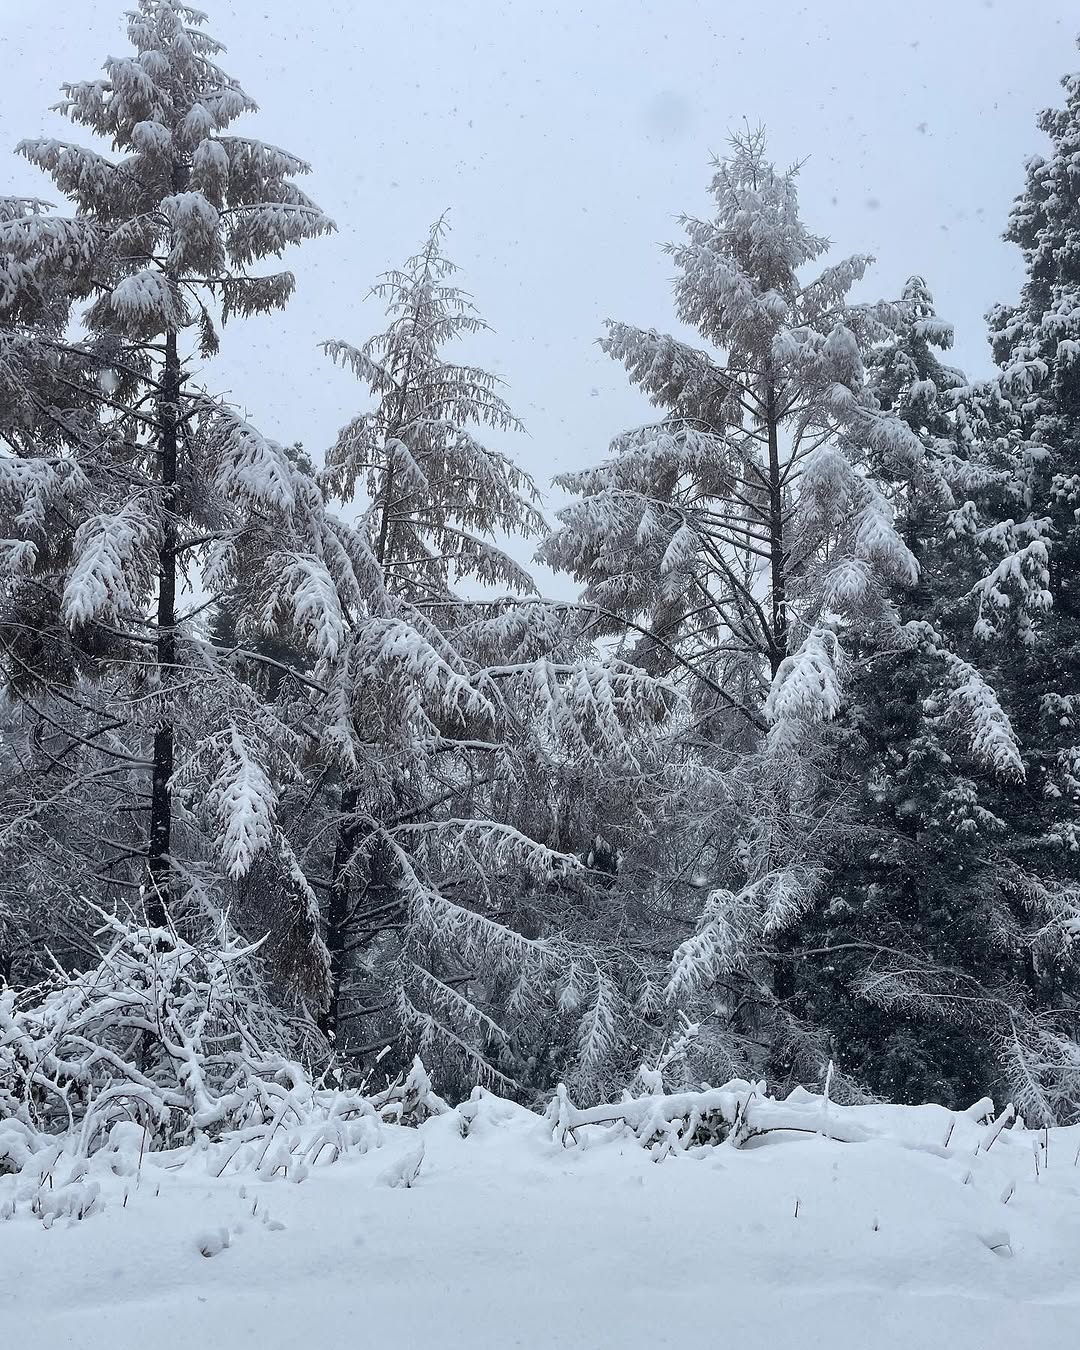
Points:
x=793 y=783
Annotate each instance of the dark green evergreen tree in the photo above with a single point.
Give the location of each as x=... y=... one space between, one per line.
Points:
x=941 y=957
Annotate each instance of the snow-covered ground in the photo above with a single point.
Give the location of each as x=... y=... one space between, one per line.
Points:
x=508 y=1238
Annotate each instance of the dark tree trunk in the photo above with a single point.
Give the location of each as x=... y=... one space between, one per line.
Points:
x=159 y=863
x=784 y=983
x=777 y=556
x=339 y=912
x=337 y=919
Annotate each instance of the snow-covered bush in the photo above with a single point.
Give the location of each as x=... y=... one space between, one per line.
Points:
x=174 y=1036
x=163 y=1031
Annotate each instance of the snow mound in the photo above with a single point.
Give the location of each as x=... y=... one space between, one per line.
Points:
x=605 y=1226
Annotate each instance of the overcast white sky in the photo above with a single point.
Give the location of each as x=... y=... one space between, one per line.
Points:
x=566 y=137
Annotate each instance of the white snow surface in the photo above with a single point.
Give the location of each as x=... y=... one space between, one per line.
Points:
x=505 y=1237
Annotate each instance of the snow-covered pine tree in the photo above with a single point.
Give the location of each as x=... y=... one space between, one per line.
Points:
x=907 y=376
x=738 y=545
x=47 y=404
x=147 y=498
x=1029 y=595
x=909 y=958
x=453 y=710
x=752 y=539
x=742 y=527
x=431 y=491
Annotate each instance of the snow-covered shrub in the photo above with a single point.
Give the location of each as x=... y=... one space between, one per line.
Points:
x=168 y=1046
x=164 y=1031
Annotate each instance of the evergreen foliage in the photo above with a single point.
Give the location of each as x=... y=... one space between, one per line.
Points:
x=297 y=762
x=449 y=711
x=129 y=494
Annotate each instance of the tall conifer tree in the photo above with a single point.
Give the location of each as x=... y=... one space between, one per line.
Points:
x=451 y=711
x=146 y=495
